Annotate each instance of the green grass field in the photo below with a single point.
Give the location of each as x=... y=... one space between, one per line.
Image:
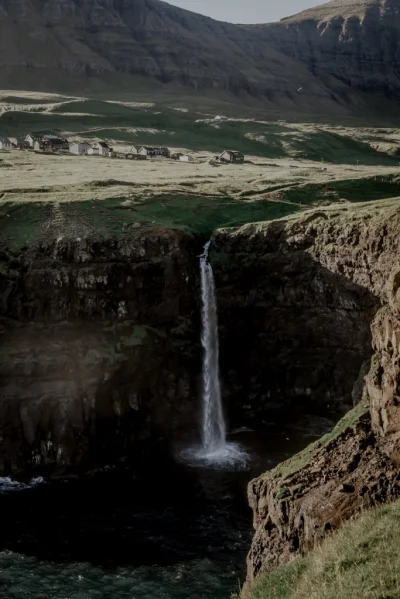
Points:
x=166 y=126
x=29 y=223
x=361 y=561
x=353 y=190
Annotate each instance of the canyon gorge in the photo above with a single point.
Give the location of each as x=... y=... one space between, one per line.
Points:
x=101 y=355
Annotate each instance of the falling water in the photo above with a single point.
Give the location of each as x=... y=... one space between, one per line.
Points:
x=215 y=451
x=214 y=430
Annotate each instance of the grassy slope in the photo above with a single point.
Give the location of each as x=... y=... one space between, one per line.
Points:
x=353 y=190
x=299 y=460
x=92 y=118
x=27 y=223
x=361 y=561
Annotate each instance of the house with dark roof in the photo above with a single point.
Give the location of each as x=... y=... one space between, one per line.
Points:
x=50 y=143
x=232 y=156
x=104 y=149
x=152 y=152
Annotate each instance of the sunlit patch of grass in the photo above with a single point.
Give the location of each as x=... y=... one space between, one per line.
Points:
x=361 y=561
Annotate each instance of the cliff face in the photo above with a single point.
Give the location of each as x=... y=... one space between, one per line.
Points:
x=358 y=465
x=346 y=42
x=301 y=336
x=98 y=347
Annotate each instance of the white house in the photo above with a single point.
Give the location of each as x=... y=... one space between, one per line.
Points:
x=30 y=139
x=134 y=150
x=93 y=151
x=104 y=149
x=5 y=143
x=79 y=148
x=185 y=158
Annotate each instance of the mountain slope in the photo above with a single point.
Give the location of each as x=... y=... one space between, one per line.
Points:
x=348 y=41
x=299 y=63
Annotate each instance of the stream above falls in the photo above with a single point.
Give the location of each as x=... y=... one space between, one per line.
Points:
x=177 y=531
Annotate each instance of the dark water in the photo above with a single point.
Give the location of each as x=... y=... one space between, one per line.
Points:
x=177 y=532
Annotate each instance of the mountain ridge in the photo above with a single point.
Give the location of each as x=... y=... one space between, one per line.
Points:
x=297 y=62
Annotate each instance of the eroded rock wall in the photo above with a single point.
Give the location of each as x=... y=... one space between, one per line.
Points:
x=294 y=331
x=99 y=343
x=356 y=466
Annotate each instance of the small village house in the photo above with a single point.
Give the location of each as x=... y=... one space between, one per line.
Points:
x=79 y=148
x=50 y=143
x=152 y=152
x=5 y=143
x=93 y=151
x=185 y=158
x=232 y=156
x=31 y=138
x=104 y=149
x=19 y=143
x=134 y=150
x=146 y=151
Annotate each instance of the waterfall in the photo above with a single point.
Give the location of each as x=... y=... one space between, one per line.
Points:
x=213 y=429
x=215 y=451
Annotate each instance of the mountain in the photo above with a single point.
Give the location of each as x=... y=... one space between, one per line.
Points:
x=329 y=57
x=352 y=42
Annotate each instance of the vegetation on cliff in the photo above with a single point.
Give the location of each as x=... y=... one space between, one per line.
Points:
x=361 y=561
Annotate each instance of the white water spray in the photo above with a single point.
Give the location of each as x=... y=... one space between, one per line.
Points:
x=213 y=430
x=215 y=451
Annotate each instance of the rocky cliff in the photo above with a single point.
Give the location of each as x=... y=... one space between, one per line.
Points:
x=98 y=357
x=301 y=336
x=346 y=42
x=357 y=465
x=332 y=59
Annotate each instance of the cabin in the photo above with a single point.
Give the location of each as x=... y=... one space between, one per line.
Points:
x=50 y=143
x=19 y=143
x=185 y=158
x=232 y=156
x=152 y=152
x=79 y=148
x=31 y=138
x=5 y=143
x=104 y=149
x=101 y=149
x=134 y=150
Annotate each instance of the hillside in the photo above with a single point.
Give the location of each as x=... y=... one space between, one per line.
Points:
x=362 y=560
x=345 y=43
x=331 y=59
x=127 y=42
